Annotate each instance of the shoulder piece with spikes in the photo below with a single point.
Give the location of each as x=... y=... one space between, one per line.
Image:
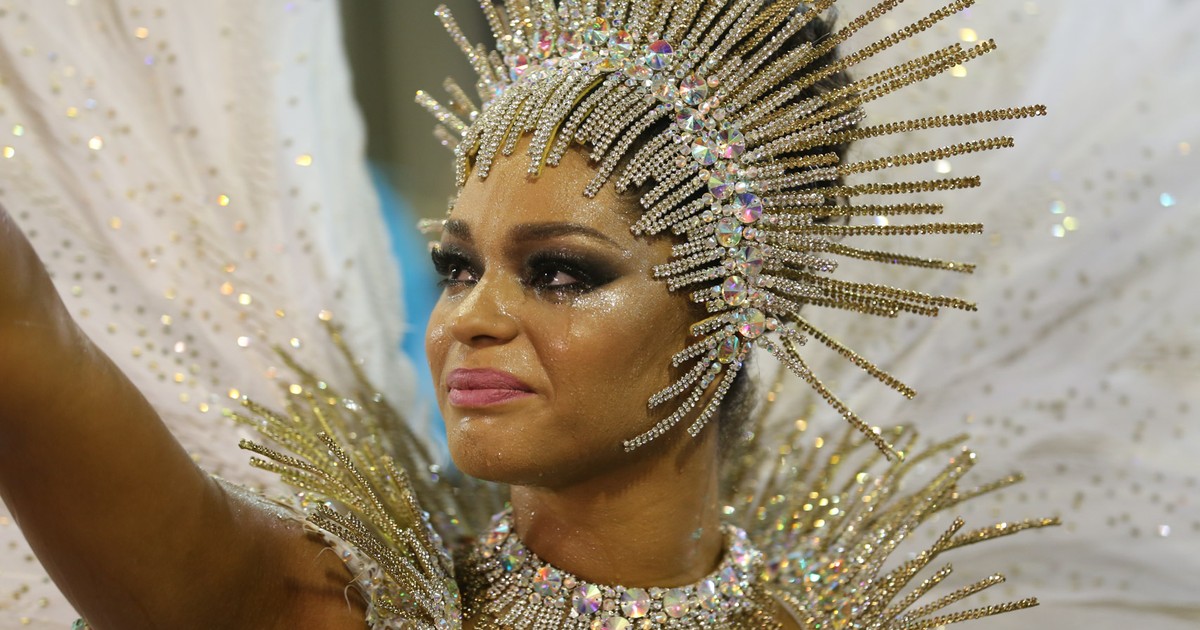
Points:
x=720 y=117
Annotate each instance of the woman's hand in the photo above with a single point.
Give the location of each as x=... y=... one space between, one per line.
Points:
x=130 y=529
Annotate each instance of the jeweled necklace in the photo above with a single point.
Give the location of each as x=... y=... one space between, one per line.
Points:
x=505 y=585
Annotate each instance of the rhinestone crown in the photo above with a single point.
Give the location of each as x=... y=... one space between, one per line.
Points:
x=707 y=111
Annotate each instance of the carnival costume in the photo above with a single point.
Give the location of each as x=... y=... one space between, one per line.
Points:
x=690 y=105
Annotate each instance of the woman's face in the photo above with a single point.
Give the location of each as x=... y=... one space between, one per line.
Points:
x=551 y=332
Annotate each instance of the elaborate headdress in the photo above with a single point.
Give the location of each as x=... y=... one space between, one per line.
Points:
x=700 y=107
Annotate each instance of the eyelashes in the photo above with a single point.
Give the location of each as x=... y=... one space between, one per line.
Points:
x=451 y=264
x=567 y=272
x=555 y=272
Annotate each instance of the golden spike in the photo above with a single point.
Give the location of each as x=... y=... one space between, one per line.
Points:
x=899 y=259
x=868 y=289
x=442 y=114
x=1001 y=529
x=968 y=615
x=870 y=368
x=766 y=23
x=923 y=157
x=499 y=29
x=898 y=188
x=919 y=229
x=459 y=101
x=798 y=367
x=685 y=15
x=930 y=122
x=867 y=210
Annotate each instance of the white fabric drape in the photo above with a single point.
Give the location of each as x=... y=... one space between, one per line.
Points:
x=193 y=175
x=1082 y=367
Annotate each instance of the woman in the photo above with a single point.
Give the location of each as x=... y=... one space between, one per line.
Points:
x=529 y=298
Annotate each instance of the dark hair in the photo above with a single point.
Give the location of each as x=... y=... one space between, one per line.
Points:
x=740 y=400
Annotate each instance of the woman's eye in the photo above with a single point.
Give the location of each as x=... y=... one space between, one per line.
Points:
x=453 y=267
x=555 y=278
x=567 y=273
x=458 y=273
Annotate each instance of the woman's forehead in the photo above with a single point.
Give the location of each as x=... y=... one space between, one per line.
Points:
x=509 y=197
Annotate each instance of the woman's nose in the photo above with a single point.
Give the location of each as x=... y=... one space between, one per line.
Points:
x=486 y=313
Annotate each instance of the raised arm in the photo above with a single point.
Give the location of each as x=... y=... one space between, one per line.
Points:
x=131 y=530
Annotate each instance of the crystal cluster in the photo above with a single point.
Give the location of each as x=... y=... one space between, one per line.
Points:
x=505 y=579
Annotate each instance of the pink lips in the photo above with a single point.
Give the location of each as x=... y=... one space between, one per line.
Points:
x=484 y=388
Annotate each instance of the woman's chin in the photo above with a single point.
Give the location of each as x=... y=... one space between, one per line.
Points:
x=505 y=468
x=502 y=457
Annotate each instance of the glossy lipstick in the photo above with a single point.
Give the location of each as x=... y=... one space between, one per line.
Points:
x=484 y=388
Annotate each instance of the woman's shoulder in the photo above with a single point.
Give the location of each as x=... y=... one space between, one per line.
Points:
x=367 y=488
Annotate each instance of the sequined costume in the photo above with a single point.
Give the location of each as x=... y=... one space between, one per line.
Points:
x=189 y=293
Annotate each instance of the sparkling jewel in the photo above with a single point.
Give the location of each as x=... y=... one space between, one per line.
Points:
x=606 y=64
x=721 y=184
x=512 y=560
x=688 y=119
x=639 y=72
x=570 y=45
x=740 y=555
x=543 y=44
x=517 y=65
x=663 y=88
x=660 y=55
x=751 y=322
x=693 y=90
x=546 y=581
x=727 y=352
x=748 y=259
x=612 y=623
x=621 y=43
x=730 y=143
x=597 y=33
x=587 y=599
x=635 y=603
x=728 y=232
x=733 y=291
x=675 y=602
x=729 y=578
x=706 y=593
x=703 y=152
x=747 y=207
x=497 y=534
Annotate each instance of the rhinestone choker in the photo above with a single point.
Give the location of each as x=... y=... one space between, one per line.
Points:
x=508 y=586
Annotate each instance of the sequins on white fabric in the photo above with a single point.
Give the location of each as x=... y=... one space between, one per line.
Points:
x=1081 y=367
x=191 y=173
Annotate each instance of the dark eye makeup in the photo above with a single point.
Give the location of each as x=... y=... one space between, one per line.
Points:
x=553 y=271
x=567 y=272
x=454 y=266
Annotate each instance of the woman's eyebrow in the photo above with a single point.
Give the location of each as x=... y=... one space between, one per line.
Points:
x=556 y=229
x=457 y=229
